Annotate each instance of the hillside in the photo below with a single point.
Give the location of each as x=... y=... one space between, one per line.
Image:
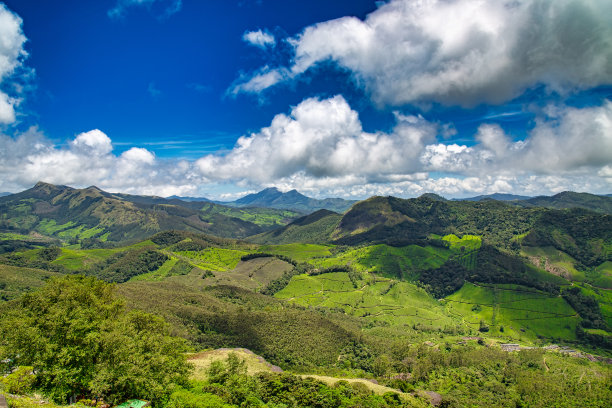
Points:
x=292 y=200
x=393 y=313
x=73 y=215
x=313 y=228
x=570 y=199
x=496 y=196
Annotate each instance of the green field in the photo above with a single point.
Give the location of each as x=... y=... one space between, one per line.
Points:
x=80 y=259
x=380 y=301
x=554 y=261
x=298 y=252
x=403 y=262
x=265 y=217
x=524 y=313
x=214 y=259
x=602 y=276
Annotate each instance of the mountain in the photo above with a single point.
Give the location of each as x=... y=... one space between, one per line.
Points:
x=566 y=199
x=583 y=234
x=5 y=193
x=293 y=200
x=188 y=198
x=75 y=214
x=495 y=196
x=569 y=199
x=311 y=229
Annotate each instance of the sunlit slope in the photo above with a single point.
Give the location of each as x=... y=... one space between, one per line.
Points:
x=514 y=311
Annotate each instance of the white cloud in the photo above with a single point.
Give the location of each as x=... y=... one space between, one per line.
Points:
x=264 y=78
x=259 y=38
x=88 y=160
x=461 y=52
x=321 y=147
x=12 y=54
x=162 y=8
x=322 y=138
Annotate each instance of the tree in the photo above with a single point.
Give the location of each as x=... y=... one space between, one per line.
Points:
x=81 y=341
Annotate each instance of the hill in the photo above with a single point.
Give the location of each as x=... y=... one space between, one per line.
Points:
x=495 y=196
x=570 y=199
x=73 y=215
x=313 y=229
x=292 y=200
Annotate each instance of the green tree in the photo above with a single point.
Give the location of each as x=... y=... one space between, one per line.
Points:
x=81 y=341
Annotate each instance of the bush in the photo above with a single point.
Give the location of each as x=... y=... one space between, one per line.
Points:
x=20 y=381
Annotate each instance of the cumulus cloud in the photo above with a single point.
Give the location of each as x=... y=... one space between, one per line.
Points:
x=259 y=38
x=161 y=8
x=87 y=160
x=263 y=79
x=320 y=146
x=12 y=54
x=321 y=138
x=461 y=52
x=571 y=141
x=321 y=149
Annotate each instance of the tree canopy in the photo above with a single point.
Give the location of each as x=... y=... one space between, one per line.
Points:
x=81 y=341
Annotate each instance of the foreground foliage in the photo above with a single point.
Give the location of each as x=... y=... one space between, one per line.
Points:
x=81 y=341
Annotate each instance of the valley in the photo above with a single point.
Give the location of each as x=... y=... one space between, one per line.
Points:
x=377 y=292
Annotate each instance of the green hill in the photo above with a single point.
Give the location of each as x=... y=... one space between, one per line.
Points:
x=73 y=215
x=292 y=200
x=570 y=199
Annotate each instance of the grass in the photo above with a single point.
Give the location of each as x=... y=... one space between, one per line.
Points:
x=467 y=242
x=16 y=280
x=202 y=361
x=9 y=236
x=603 y=297
x=554 y=261
x=380 y=301
x=49 y=227
x=214 y=259
x=298 y=252
x=375 y=388
x=403 y=262
x=603 y=276
x=80 y=259
x=161 y=273
x=524 y=313
x=265 y=217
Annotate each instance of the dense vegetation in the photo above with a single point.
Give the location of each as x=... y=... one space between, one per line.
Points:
x=81 y=341
x=417 y=294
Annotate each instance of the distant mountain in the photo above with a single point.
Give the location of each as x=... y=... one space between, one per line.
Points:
x=189 y=199
x=433 y=196
x=314 y=228
x=293 y=200
x=569 y=199
x=495 y=196
x=75 y=214
x=3 y=194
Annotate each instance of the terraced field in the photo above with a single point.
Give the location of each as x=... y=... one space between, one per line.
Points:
x=380 y=300
x=514 y=311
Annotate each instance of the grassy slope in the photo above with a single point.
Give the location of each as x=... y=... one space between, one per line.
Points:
x=380 y=301
x=16 y=280
x=516 y=308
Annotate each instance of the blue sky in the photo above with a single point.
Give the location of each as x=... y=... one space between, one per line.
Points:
x=333 y=98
